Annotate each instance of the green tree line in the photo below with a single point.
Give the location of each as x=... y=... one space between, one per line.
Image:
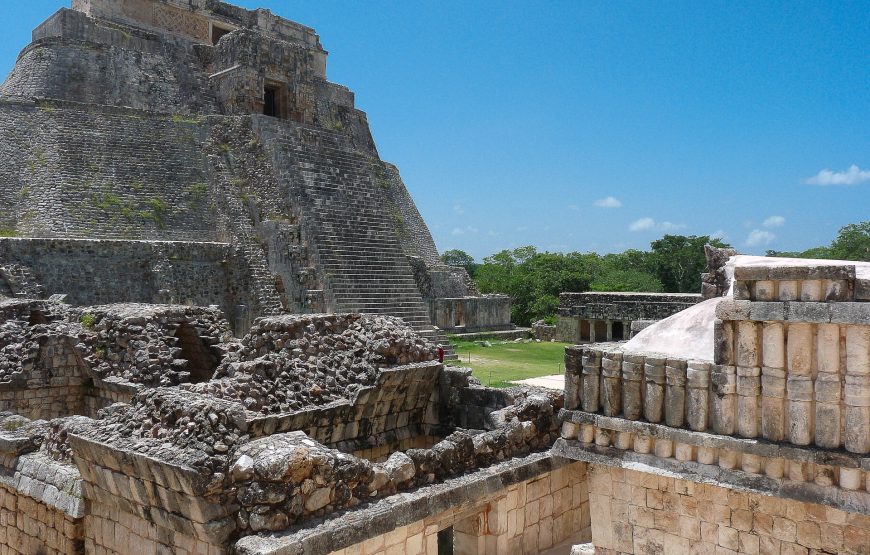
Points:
x=534 y=279
x=851 y=243
x=673 y=264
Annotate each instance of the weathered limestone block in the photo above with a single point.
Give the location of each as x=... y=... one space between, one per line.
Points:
x=723 y=338
x=591 y=384
x=765 y=290
x=724 y=380
x=857 y=398
x=811 y=290
x=698 y=398
x=632 y=380
x=675 y=392
x=654 y=390
x=748 y=344
x=789 y=290
x=611 y=386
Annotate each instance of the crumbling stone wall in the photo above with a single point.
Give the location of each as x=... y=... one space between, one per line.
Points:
x=591 y=316
x=41 y=503
x=200 y=274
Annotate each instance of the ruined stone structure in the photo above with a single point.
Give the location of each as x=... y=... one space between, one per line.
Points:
x=190 y=159
x=189 y=151
x=592 y=316
x=751 y=436
x=150 y=429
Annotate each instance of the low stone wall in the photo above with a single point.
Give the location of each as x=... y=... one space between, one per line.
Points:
x=201 y=274
x=525 y=505
x=591 y=316
x=639 y=513
x=41 y=507
x=51 y=384
x=543 y=331
x=28 y=526
x=526 y=518
x=471 y=314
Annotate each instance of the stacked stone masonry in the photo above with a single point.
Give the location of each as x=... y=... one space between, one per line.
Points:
x=526 y=518
x=639 y=513
x=146 y=121
x=760 y=450
x=598 y=317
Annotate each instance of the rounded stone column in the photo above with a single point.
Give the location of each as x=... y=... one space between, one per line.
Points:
x=698 y=395
x=632 y=380
x=828 y=387
x=675 y=393
x=724 y=379
x=654 y=384
x=748 y=392
x=799 y=384
x=611 y=386
x=773 y=376
x=591 y=378
x=857 y=398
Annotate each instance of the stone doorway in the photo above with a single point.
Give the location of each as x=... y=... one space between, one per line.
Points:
x=201 y=364
x=618 y=331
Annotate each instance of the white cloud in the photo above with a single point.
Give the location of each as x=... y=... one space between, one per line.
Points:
x=458 y=209
x=645 y=224
x=853 y=176
x=464 y=230
x=608 y=202
x=774 y=221
x=758 y=237
x=642 y=224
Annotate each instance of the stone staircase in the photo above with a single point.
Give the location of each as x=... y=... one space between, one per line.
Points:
x=346 y=217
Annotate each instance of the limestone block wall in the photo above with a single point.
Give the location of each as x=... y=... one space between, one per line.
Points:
x=78 y=59
x=48 y=384
x=524 y=518
x=78 y=171
x=94 y=272
x=41 y=506
x=137 y=500
x=640 y=512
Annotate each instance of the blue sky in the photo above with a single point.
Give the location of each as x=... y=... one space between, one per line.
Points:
x=576 y=125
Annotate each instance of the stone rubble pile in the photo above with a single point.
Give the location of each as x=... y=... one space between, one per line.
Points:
x=138 y=343
x=286 y=478
x=176 y=426
x=56 y=441
x=287 y=363
x=16 y=349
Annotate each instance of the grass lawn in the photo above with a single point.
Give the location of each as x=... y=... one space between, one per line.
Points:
x=508 y=361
